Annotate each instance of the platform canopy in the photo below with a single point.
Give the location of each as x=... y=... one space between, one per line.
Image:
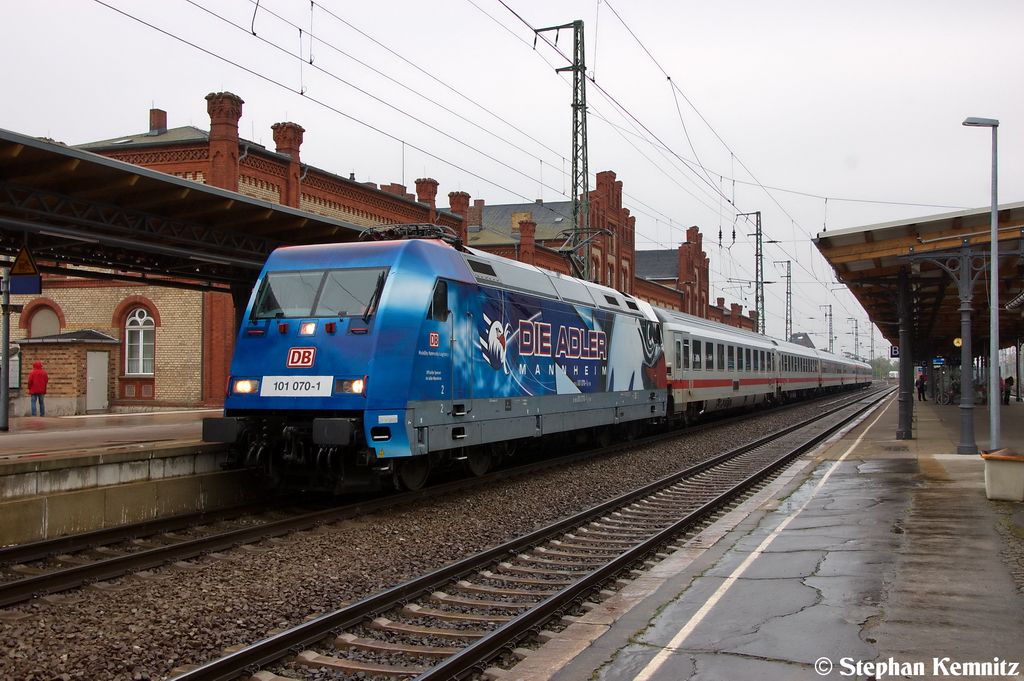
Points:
x=869 y=261
x=87 y=215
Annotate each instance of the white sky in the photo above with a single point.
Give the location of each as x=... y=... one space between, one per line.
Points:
x=858 y=102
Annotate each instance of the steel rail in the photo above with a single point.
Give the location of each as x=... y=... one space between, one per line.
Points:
x=46 y=548
x=26 y=588
x=491 y=645
x=294 y=640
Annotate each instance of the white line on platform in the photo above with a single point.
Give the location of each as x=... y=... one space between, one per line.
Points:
x=652 y=667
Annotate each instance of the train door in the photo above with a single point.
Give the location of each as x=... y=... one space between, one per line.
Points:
x=462 y=332
x=438 y=359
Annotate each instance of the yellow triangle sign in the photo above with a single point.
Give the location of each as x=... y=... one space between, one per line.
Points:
x=24 y=264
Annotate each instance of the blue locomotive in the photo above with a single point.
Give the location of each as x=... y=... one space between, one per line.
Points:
x=391 y=358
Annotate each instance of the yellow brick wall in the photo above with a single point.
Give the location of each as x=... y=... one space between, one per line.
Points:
x=261 y=189
x=178 y=338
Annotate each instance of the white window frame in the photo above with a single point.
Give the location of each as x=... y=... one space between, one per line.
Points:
x=139 y=337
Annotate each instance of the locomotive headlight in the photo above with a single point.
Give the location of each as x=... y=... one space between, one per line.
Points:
x=350 y=386
x=307 y=328
x=246 y=386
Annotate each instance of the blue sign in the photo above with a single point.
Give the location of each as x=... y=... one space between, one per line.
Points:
x=22 y=285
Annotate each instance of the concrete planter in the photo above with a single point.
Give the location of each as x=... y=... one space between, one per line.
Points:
x=1004 y=475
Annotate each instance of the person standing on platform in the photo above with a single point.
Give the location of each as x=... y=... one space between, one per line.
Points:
x=37 y=380
x=920 y=387
x=1007 y=389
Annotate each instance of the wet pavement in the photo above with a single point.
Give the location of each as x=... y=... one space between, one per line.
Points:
x=49 y=436
x=870 y=558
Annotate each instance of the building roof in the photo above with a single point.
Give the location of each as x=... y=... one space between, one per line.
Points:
x=872 y=260
x=192 y=135
x=660 y=264
x=89 y=211
x=801 y=338
x=187 y=133
x=80 y=336
x=552 y=220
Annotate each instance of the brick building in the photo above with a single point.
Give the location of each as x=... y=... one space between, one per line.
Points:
x=174 y=346
x=534 y=232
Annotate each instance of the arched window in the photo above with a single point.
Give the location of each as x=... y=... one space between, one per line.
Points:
x=139 y=335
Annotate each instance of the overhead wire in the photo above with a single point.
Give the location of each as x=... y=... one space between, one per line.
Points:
x=319 y=102
x=377 y=99
x=714 y=190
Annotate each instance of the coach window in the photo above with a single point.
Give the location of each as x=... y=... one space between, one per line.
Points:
x=686 y=353
x=679 y=356
x=697 y=359
x=731 y=364
x=746 y=359
x=709 y=355
x=139 y=335
x=721 y=356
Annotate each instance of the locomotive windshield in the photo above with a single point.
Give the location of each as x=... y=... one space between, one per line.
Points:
x=319 y=293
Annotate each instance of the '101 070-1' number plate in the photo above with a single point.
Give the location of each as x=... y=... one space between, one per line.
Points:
x=296 y=386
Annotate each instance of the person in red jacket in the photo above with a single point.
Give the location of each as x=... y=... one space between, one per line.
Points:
x=37 y=380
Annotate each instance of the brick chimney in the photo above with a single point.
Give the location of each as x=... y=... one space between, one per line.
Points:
x=476 y=214
x=288 y=139
x=458 y=203
x=721 y=302
x=737 y=313
x=426 y=192
x=527 y=243
x=157 y=122
x=225 y=109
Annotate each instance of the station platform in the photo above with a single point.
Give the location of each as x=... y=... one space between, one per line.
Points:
x=869 y=558
x=68 y=474
x=52 y=435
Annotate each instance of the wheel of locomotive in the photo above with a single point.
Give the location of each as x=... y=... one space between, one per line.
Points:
x=411 y=473
x=479 y=460
x=632 y=431
x=603 y=436
x=501 y=451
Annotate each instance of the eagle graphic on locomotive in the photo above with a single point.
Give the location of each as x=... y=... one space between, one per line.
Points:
x=390 y=357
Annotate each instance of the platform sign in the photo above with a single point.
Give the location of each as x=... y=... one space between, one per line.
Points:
x=894 y=351
x=25 y=277
x=26 y=285
x=939 y=361
x=24 y=264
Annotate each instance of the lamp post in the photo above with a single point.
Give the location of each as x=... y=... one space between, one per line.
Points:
x=994 y=396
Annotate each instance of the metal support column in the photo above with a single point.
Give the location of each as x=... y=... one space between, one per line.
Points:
x=905 y=428
x=789 y=298
x=965 y=268
x=580 y=171
x=5 y=354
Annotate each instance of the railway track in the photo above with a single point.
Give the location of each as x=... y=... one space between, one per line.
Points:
x=459 y=620
x=45 y=569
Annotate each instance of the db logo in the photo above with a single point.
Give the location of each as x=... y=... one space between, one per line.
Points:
x=435 y=339
x=300 y=357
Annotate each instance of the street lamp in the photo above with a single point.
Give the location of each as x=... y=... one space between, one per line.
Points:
x=994 y=396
